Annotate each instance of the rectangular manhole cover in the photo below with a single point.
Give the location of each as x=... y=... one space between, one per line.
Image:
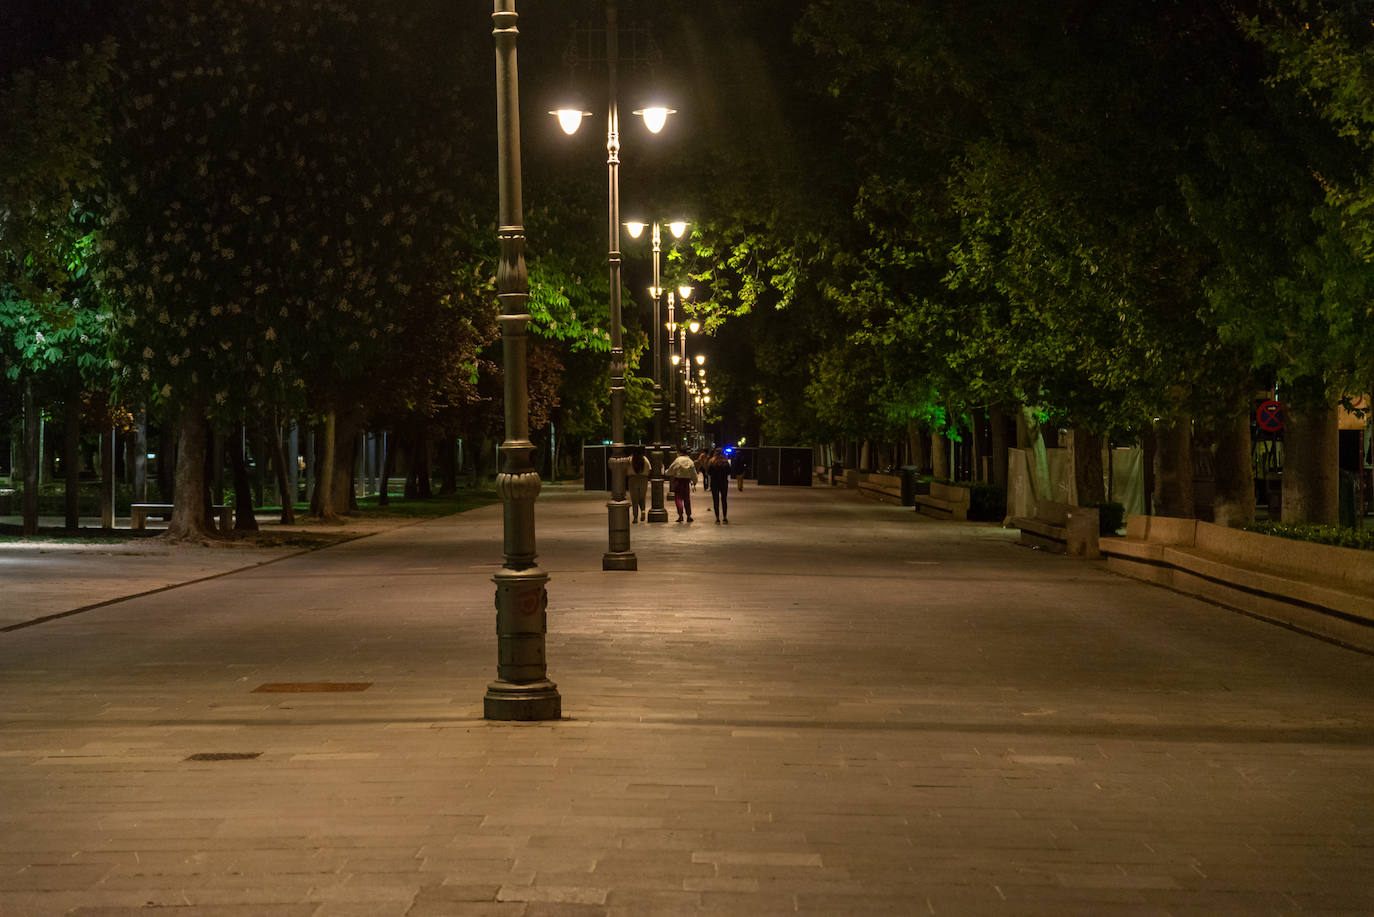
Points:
x=224 y=756
x=311 y=687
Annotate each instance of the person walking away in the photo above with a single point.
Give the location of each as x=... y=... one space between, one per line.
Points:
x=639 y=482
x=718 y=479
x=683 y=473
x=737 y=470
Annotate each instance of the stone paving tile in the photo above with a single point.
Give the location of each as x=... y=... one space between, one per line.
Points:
x=784 y=718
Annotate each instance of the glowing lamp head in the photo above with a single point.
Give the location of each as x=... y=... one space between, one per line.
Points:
x=677 y=228
x=676 y=359
x=694 y=326
x=634 y=228
x=655 y=117
x=701 y=358
x=685 y=290
x=570 y=119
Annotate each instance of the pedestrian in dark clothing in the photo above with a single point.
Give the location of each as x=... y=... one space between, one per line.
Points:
x=718 y=479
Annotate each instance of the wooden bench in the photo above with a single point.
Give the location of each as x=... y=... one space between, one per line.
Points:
x=1315 y=588
x=945 y=501
x=139 y=513
x=1060 y=527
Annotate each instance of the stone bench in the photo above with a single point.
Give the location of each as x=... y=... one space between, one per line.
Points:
x=1316 y=588
x=139 y=513
x=1060 y=527
x=884 y=487
x=945 y=501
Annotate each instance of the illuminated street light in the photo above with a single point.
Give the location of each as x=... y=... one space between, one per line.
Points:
x=619 y=556
x=657 y=511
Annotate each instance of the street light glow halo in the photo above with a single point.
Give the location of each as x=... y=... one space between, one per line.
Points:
x=570 y=119
x=655 y=116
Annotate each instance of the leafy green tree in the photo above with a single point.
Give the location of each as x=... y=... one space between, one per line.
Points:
x=291 y=199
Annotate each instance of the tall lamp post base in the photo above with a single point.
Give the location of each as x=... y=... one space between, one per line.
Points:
x=657 y=512
x=619 y=557
x=538 y=700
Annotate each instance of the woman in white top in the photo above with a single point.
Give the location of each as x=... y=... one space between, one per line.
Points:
x=638 y=478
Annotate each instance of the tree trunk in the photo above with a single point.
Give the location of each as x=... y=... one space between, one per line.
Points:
x=997 y=421
x=341 y=480
x=1173 y=470
x=284 y=482
x=260 y=462
x=71 y=461
x=244 y=519
x=978 y=427
x=423 y=489
x=322 y=507
x=1234 y=504
x=1087 y=467
x=109 y=448
x=448 y=466
x=388 y=468
x=1311 y=465
x=166 y=460
x=1149 y=447
x=141 y=458
x=189 y=521
x=32 y=422
x=939 y=457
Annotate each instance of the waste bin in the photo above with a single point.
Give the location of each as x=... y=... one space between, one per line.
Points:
x=908 y=485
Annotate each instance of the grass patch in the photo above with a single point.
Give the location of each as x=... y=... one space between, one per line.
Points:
x=401 y=508
x=431 y=508
x=11 y=534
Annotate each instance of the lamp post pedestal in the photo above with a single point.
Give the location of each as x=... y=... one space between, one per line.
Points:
x=657 y=511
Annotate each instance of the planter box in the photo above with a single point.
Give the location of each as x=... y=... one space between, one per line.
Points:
x=1320 y=589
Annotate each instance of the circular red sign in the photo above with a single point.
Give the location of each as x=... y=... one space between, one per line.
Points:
x=1270 y=416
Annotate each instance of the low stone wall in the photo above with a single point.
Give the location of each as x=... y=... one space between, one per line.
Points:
x=1316 y=588
x=1060 y=527
x=884 y=487
x=945 y=501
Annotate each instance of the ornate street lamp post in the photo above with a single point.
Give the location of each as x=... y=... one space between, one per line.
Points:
x=522 y=690
x=657 y=511
x=619 y=556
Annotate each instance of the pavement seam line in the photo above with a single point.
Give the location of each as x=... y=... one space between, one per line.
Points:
x=203 y=579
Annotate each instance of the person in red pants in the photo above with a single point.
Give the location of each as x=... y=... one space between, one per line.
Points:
x=683 y=473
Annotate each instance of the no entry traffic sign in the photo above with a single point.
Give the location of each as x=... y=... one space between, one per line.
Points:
x=1270 y=416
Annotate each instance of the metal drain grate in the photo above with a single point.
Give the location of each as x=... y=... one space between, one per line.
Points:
x=224 y=756
x=311 y=687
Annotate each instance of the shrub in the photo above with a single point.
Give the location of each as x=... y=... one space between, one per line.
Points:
x=1359 y=539
x=987 y=502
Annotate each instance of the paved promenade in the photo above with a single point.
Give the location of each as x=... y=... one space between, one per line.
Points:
x=830 y=706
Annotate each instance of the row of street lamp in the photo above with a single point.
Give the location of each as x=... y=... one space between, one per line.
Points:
x=682 y=418
x=522 y=690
